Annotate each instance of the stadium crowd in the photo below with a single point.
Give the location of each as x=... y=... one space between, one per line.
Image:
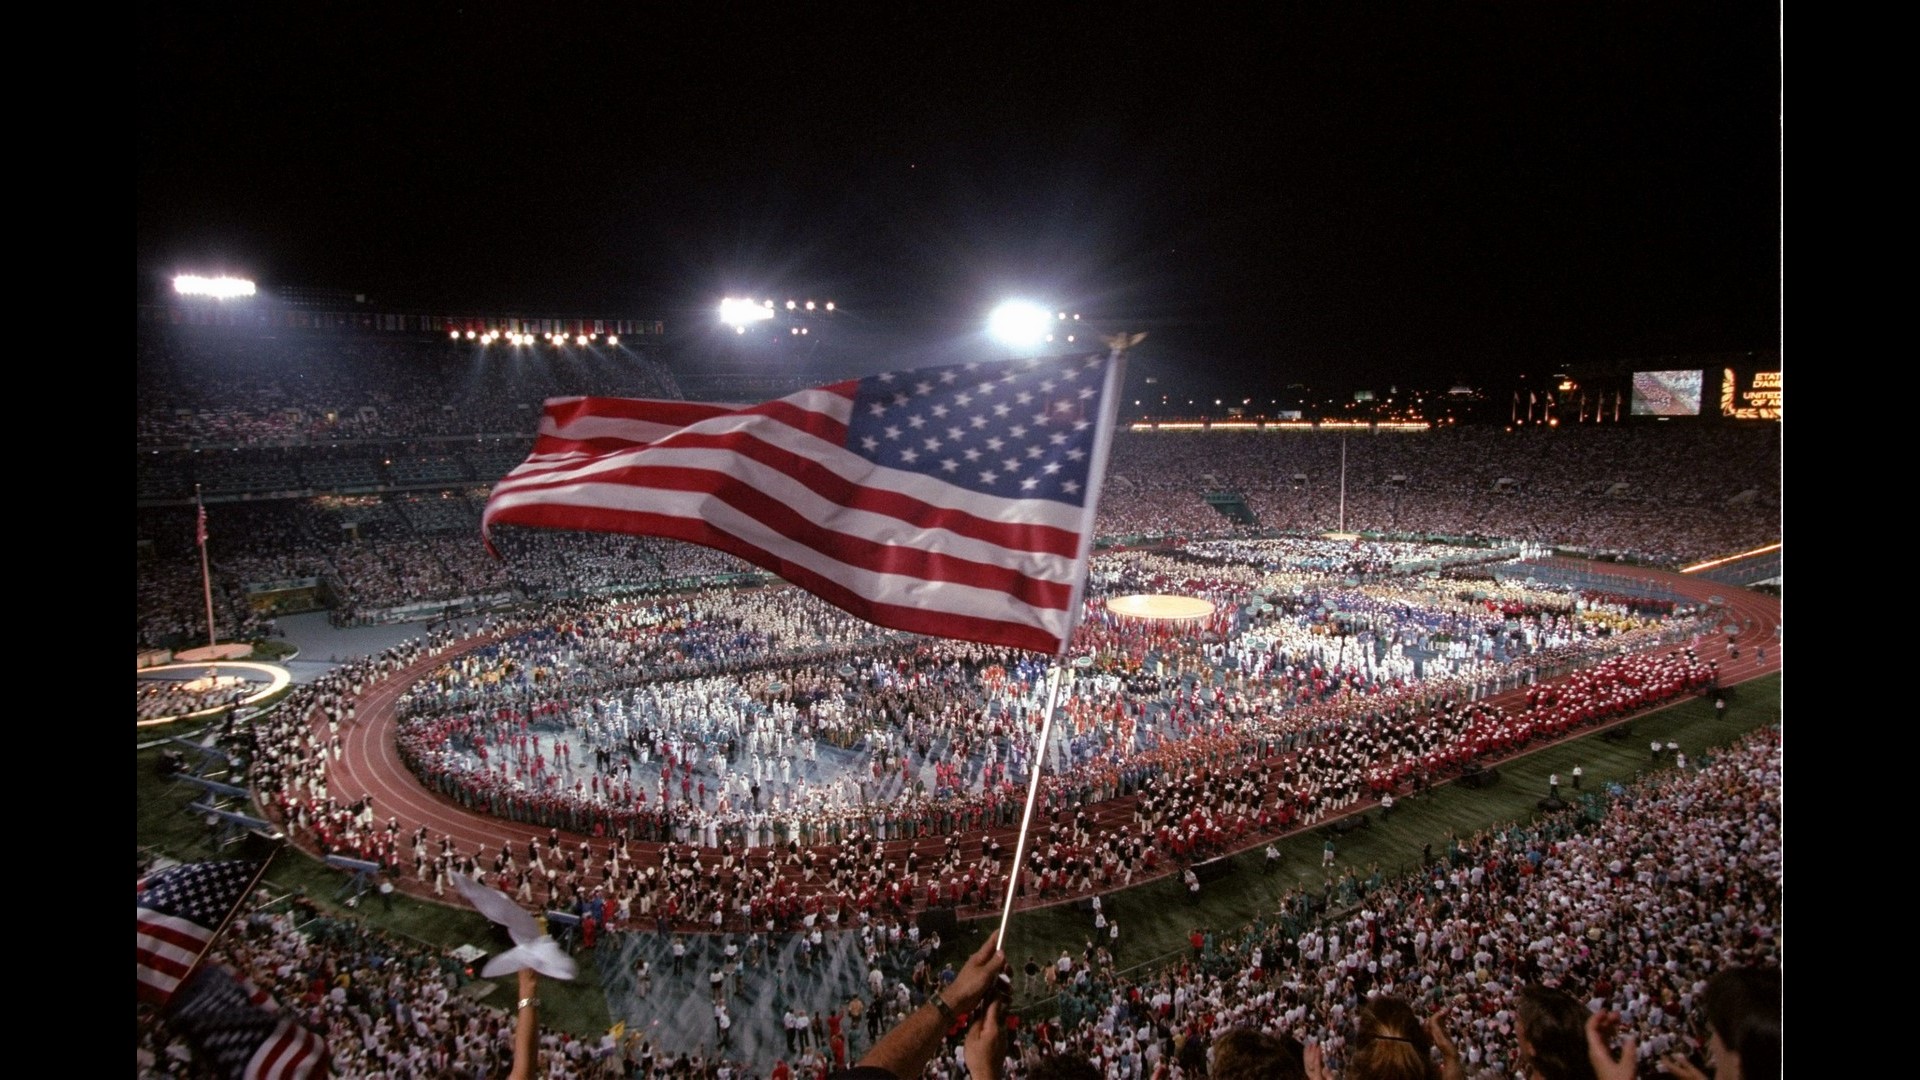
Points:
x=1629 y=904
x=1631 y=911
x=240 y=390
x=361 y=462
x=383 y=552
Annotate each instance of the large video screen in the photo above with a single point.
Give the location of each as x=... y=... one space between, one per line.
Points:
x=1666 y=393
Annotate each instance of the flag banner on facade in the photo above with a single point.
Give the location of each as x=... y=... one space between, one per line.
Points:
x=242 y=1031
x=178 y=910
x=954 y=501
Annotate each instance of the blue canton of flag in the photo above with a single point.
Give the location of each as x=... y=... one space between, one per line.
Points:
x=177 y=912
x=203 y=892
x=1023 y=430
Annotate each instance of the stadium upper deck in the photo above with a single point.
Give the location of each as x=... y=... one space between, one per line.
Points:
x=360 y=461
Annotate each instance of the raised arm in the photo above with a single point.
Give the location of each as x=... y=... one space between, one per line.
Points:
x=906 y=1049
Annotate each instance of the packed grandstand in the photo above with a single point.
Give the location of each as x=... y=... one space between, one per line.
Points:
x=671 y=745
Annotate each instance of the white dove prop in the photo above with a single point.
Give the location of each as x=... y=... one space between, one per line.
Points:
x=531 y=948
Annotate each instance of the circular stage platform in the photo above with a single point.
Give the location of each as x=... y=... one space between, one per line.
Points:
x=230 y=683
x=1161 y=607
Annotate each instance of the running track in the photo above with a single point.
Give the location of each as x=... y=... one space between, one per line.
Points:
x=370 y=762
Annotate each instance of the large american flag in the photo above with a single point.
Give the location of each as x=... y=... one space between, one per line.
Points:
x=956 y=501
x=178 y=910
x=242 y=1032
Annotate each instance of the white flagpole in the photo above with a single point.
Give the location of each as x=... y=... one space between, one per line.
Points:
x=1109 y=413
x=1037 y=761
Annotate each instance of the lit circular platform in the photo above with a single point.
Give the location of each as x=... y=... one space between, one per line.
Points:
x=1161 y=607
x=248 y=682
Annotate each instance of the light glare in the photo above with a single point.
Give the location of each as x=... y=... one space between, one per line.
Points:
x=220 y=288
x=1018 y=323
x=738 y=313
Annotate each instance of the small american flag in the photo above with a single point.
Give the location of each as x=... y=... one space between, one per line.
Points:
x=178 y=911
x=956 y=501
x=242 y=1032
x=200 y=528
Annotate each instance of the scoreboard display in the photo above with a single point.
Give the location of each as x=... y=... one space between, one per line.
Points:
x=1666 y=393
x=1758 y=399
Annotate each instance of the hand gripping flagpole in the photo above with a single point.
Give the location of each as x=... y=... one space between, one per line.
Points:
x=1109 y=412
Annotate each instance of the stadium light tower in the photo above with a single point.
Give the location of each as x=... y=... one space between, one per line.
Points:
x=219 y=288
x=1019 y=324
x=741 y=314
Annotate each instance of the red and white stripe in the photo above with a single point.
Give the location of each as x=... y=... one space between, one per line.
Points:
x=165 y=949
x=775 y=485
x=290 y=1053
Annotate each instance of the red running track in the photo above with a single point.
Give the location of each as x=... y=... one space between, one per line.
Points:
x=370 y=762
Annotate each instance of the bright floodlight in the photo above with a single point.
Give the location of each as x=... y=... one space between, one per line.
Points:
x=220 y=288
x=738 y=313
x=1019 y=324
x=613 y=339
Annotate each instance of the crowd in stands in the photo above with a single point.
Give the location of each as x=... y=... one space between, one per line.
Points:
x=381 y=553
x=365 y=459
x=232 y=388
x=1631 y=913
x=1642 y=491
x=388 y=1008
x=1629 y=906
x=1630 y=490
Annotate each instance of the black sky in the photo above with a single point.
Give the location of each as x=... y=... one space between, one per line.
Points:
x=1410 y=191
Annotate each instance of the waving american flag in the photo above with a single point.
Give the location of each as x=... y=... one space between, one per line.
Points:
x=177 y=912
x=956 y=501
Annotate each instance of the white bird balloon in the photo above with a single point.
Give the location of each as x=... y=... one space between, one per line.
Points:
x=531 y=948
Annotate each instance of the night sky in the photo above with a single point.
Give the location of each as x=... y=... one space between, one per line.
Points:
x=1428 y=192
